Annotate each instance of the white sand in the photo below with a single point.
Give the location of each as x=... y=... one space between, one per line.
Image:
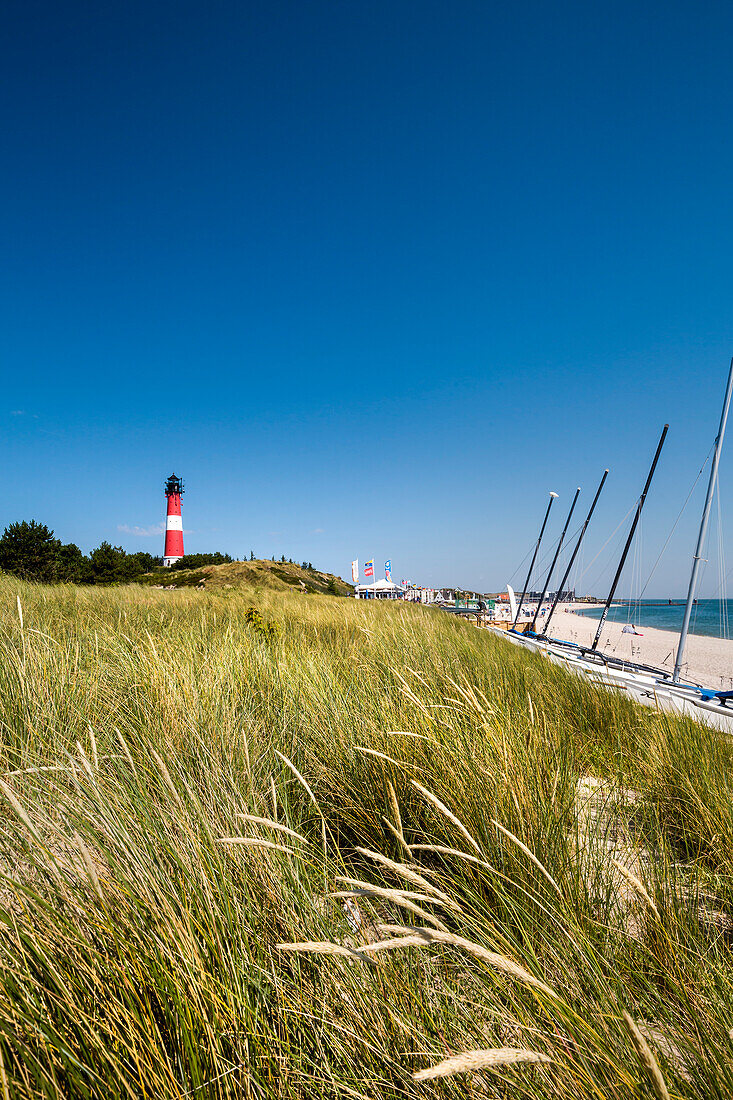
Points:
x=707 y=660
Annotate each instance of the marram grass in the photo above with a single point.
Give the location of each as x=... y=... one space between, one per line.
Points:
x=346 y=857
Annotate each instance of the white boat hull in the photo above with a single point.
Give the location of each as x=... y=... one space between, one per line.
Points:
x=646 y=688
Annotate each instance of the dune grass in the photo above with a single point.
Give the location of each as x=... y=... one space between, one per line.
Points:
x=339 y=849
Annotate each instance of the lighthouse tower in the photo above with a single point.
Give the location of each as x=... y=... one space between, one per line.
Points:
x=173 y=523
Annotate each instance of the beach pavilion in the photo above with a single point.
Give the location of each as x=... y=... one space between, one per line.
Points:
x=379 y=590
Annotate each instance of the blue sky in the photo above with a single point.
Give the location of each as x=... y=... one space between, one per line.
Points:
x=372 y=278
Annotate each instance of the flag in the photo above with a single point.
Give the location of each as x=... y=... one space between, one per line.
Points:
x=388 y=570
x=355 y=571
x=368 y=568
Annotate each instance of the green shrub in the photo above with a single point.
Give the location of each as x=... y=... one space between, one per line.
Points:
x=254 y=619
x=196 y=561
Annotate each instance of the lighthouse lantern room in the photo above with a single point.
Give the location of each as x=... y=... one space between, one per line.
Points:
x=173 y=550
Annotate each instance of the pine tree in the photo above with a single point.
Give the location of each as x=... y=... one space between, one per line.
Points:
x=29 y=550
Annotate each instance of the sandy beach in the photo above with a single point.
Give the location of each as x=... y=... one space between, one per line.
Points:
x=707 y=660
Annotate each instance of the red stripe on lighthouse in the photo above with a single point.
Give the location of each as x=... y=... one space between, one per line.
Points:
x=174 y=528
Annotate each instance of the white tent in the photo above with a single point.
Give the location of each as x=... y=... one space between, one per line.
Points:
x=380 y=590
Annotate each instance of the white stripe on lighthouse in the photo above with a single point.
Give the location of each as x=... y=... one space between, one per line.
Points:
x=173 y=523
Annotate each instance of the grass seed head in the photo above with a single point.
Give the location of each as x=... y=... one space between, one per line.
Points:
x=313 y=947
x=494 y=959
x=473 y=1060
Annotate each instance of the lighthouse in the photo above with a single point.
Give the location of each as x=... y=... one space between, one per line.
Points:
x=173 y=523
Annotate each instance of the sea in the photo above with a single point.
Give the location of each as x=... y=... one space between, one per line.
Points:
x=713 y=618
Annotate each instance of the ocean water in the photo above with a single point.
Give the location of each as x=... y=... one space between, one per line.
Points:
x=708 y=616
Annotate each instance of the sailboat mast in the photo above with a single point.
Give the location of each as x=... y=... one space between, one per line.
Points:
x=554 y=560
x=553 y=496
x=574 y=554
x=621 y=564
x=703 y=528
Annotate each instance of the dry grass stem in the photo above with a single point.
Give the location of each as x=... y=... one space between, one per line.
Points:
x=400 y=941
x=499 y=962
x=397 y=835
x=256 y=842
x=383 y=756
x=392 y=892
x=411 y=694
x=405 y=872
x=126 y=751
x=33 y=771
x=416 y=737
x=10 y=795
x=396 y=810
x=646 y=1058
x=442 y=850
x=93 y=743
x=530 y=855
x=163 y=771
x=314 y=947
x=3 y=1077
x=272 y=825
x=435 y=801
x=637 y=885
x=289 y=764
x=89 y=864
x=474 y=1060
x=397 y=898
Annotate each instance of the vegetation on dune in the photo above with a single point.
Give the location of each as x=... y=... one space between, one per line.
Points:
x=195 y=561
x=256 y=574
x=30 y=551
x=261 y=846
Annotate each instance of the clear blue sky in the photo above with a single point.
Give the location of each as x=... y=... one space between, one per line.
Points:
x=371 y=277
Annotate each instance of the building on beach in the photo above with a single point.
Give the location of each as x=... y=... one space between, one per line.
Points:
x=379 y=590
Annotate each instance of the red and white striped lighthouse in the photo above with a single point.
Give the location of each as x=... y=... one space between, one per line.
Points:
x=173 y=523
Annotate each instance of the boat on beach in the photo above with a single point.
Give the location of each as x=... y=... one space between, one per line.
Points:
x=646 y=683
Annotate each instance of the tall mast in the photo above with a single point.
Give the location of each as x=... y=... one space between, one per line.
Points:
x=703 y=528
x=574 y=554
x=621 y=564
x=553 y=496
x=554 y=560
